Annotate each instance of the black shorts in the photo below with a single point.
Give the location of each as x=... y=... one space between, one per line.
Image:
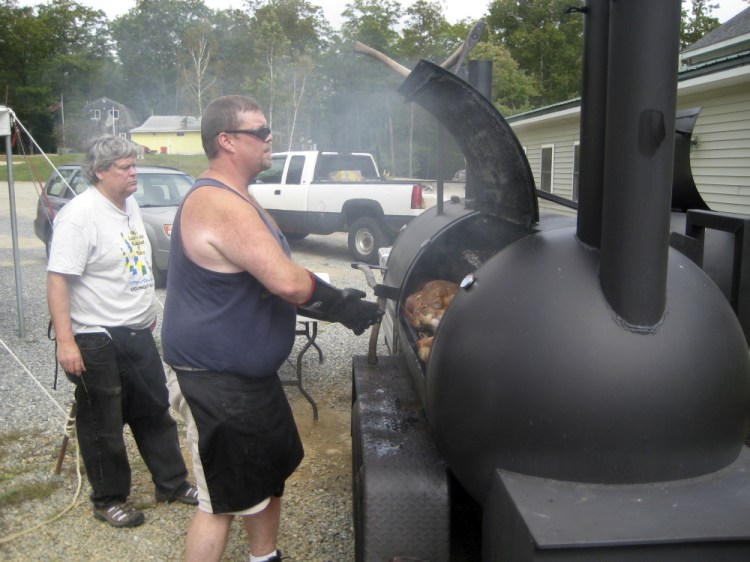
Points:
x=248 y=442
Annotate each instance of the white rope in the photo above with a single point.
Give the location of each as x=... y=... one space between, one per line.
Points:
x=33 y=378
x=69 y=422
x=17 y=123
x=73 y=503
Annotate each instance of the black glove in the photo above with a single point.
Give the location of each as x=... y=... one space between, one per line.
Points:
x=340 y=305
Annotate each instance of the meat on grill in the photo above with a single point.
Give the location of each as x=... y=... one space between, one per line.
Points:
x=425 y=308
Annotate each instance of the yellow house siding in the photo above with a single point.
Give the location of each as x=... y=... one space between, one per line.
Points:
x=188 y=142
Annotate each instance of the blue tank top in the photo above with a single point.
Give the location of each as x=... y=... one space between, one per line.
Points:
x=223 y=322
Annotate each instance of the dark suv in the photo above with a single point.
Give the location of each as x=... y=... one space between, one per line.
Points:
x=160 y=191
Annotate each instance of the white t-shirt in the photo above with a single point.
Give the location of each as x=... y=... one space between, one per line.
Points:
x=106 y=255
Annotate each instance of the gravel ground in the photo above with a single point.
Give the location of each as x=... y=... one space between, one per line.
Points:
x=44 y=516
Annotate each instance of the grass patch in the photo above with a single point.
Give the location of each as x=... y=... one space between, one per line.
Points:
x=20 y=474
x=29 y=491
x=10 y=437
x=38 y=168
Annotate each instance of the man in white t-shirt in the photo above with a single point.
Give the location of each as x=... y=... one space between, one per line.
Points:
x=100 y=291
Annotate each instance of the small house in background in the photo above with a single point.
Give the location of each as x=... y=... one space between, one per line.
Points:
x=107 y=117
x=169 y=134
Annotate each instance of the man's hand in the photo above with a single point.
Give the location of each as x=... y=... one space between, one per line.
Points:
x=340 y=305
x=355 y=313
x=58 y=300
x=70 y=358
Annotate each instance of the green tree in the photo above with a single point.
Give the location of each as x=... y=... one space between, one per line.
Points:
x=301 y=22
x=372 y=22
x=512 y=89
x=150 y=42
x=426 y=34
x=234 y=51
x=48 y=53
x=365 y=104
x=22 y=44
x=697 y=21
x=545 y=41
x=196 y=59
x=287 y=37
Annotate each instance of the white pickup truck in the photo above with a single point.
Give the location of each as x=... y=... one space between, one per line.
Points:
x=325 y=192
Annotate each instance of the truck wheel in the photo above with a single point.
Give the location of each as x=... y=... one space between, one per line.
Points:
x=295 y=235
x=365 y=237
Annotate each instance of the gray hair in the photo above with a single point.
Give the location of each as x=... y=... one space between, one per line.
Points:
x=223 y=114
x=102 y=152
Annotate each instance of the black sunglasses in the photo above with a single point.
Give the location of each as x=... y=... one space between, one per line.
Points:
x=263 y=133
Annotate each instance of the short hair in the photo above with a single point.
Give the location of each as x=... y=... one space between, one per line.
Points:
x=102 y=152
x=223 y=114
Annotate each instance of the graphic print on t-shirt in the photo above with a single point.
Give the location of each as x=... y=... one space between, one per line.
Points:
x=135 y=260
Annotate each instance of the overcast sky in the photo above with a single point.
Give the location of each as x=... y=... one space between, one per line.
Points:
x=455 y=9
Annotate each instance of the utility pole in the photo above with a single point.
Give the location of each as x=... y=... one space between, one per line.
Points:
x=62 y=116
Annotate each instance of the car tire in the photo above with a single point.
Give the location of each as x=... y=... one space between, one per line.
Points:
x=295 y=235
x=365 y=237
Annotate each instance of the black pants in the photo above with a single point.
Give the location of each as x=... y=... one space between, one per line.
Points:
x=248 y=443
x=124 y=383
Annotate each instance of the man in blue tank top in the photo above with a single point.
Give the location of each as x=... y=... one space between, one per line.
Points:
x=233 y=294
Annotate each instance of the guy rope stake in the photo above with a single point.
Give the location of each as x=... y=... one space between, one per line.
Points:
x=70 y=426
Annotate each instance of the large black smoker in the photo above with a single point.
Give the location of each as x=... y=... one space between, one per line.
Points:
x=588 y=392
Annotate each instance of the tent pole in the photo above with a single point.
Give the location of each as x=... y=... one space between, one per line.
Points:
x=13 y=223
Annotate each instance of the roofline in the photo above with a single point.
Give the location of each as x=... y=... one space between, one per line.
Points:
x=731 y=68
x=736 y=70
x=548 y=113
x=730 y=43
x=164 y=130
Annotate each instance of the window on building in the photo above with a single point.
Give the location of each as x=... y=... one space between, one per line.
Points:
x=547 y=168
x=576 y=169
x=114 y=113
x=96 y=114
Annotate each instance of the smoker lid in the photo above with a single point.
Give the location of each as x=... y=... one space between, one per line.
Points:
x=501 y=176
x=685 y=194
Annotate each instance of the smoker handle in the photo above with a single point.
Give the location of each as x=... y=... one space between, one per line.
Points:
x=454 y=61
x=385 y=291
x=372 y=351
x=366 y=268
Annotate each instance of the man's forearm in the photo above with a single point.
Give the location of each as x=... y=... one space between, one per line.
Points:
x=58 y=302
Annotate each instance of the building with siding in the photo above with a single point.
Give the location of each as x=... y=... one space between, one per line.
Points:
x=104 y=116
x=714 y=75
x=170 y=134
